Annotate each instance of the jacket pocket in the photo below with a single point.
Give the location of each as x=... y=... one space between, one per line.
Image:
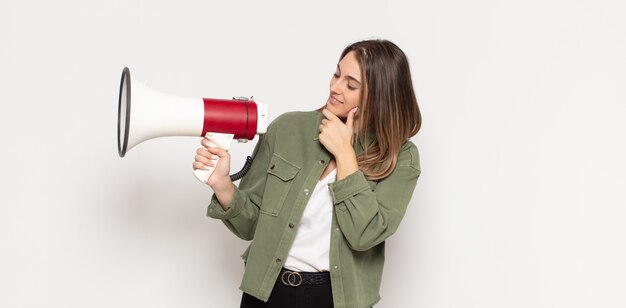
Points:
x=280 y=175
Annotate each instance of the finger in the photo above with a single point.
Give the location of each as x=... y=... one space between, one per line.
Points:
x=350 y=120
x=329 y=115
x=203 y=160
x=205 y=142
x=217 y=151
x=198 y=165
x=204 y=152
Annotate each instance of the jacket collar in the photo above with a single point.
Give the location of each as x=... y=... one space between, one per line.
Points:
x=318 y=122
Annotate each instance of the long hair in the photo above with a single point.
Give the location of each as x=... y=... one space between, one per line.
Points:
x=389 y=114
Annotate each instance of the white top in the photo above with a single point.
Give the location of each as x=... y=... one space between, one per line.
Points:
x=310 y=249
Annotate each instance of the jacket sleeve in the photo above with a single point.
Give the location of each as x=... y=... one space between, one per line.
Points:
x=368 y=216
x=242 y=215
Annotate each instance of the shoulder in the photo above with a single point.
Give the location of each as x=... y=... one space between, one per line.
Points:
x=409 y=155
x=295 y=121
x=296 y=117
x=294 y=126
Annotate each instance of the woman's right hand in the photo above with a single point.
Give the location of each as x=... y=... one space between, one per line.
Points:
x=214 y=157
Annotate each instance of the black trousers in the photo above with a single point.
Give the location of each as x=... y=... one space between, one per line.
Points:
x=310 y=296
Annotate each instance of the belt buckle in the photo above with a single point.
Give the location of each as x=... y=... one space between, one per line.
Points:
x=293 y=279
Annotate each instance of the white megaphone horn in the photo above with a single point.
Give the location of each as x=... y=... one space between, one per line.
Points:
x=144 y=114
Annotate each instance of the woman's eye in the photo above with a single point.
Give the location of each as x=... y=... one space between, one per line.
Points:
x=336 y=75
x=351 y=87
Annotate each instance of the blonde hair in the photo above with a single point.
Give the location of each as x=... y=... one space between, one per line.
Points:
x=389 y=114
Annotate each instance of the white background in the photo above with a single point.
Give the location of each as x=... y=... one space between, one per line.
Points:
x=521 y=200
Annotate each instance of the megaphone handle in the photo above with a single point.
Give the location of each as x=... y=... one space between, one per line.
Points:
x=221 y=141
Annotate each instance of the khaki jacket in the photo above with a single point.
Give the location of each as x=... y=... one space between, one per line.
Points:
x=271 y=198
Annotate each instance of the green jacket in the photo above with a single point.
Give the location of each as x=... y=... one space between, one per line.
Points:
x=271 y=198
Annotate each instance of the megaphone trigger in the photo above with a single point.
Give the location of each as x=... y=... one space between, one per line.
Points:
x=218 y=140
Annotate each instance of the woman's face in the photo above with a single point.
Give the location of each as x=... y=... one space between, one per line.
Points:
x=346 y=87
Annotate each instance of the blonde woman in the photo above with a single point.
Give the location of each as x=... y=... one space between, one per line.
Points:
x=326 y=188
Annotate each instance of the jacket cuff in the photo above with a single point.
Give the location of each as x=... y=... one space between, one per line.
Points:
x=348 y=187
x=215 y=209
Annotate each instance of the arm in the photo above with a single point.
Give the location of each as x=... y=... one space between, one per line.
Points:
x=241 y=213
x=367 y=217
x=337 y=138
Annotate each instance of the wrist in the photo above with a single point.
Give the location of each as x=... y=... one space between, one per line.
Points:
x=221 y=186
x=346 y=163
x=346 y=156
x=225 y=193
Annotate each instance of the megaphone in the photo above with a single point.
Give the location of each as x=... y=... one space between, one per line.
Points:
x=144 y=113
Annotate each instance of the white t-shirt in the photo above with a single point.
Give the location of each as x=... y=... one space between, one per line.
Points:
x=310 y=249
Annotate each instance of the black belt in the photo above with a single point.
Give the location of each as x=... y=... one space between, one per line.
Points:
x=296 y=279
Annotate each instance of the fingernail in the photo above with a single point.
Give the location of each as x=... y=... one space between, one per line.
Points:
x=214 y=157
x=207 y=167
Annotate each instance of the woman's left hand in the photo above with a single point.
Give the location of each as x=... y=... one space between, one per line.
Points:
x=335 y=135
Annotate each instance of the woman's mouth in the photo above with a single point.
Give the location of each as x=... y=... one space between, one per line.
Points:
x=334 y=101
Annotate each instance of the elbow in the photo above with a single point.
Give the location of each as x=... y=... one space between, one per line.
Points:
x=364 y=244
x=246 y=238
x=365 y=241
x=360 y=247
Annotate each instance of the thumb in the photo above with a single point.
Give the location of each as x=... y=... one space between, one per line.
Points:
x=350 y=119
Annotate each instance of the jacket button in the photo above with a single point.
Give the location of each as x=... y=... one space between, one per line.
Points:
x=272 y=167
x=306 y=192
x=278 y=260
x=291 y=225
x=322 y=162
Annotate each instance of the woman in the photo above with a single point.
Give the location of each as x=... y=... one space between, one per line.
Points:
x=326 y=188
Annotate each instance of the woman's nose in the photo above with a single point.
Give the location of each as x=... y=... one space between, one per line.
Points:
x=334 y=87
